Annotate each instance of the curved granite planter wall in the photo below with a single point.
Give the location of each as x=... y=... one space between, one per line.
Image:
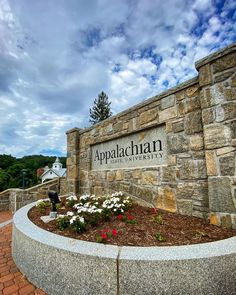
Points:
x=62 y=265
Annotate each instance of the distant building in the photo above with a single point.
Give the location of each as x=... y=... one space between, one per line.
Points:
x=54 y=172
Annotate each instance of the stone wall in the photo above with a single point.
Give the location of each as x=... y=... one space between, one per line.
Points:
x=217 y=79
x=198 y=177
x=13 y=199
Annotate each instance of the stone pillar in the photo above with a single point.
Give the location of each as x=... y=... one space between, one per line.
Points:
x=217 y=80
x=72 y=162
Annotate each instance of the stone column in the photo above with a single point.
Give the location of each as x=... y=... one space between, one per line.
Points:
x=72 y=161
x=217 y=80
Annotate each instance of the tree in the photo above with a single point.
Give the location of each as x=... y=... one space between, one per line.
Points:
x=6 y=161
x=101 y=109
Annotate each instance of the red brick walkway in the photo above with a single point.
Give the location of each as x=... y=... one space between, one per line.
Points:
x=12 y=281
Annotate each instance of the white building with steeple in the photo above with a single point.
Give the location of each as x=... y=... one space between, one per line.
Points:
x=54 y=172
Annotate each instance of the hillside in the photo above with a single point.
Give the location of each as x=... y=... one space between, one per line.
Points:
x=11 y=167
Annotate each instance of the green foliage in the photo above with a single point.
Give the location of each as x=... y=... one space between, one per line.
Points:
x=4 y=180
x=94 y=218
x=6 y=161
x=99 y=239
x=78 y=226
x=63 y=222
x=42 y=206
x=158 y=219
x=159 y=237
x=200 y=234
x=101 y=109
x=11 y=167
x=71 y=203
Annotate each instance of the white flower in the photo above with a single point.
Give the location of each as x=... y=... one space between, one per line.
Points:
x=72 y=198
x=69 y=213
x=39 y=201
x=81 y=219
x=84 y=197
x=61 y=216
x=73 y=219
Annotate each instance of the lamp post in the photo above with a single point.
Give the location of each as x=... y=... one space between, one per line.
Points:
x=23 y=171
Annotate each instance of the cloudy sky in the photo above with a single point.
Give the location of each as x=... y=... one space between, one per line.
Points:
x=57 y=55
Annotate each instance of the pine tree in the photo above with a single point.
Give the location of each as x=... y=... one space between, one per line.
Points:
x=101 y=109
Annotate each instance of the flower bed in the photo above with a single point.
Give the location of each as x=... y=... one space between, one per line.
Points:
x=114 y=219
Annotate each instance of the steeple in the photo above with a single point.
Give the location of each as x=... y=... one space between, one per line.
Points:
x=57 y=164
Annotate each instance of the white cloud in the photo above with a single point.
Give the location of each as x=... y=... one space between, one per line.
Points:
x=57 y=56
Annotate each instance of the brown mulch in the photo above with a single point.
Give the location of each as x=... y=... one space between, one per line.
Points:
x=176 y=229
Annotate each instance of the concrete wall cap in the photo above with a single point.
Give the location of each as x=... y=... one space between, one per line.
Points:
x=216 y=55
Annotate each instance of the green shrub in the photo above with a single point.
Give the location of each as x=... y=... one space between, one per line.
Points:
x=158 y=219
x=63 y=222
x=159 y=237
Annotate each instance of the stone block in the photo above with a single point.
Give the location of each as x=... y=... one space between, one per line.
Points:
x=229 y=110
x=111 y=176
x=167 y=102
x=117 y=127
x=171 y=160
x=233 y=221
x=227 y=165
x=206 y=98
x=166 y=199
x=214 y=219
x=232 y=126
x=192 y=169
x=167 y=114
x=189 y=105
x=205 y=77
x=196 y=142
x=230 y=93
x=222 y=76
x=137 y=173
x=212 y=96
x=133 y=124
x=225 y=111
x=150 y=178
x=126 y=126
x=192 y=91
x=98 y=191
x=148 y=116
x=211 y=163
x=180 y=95
x=178 y=126
x=169 y=174
x=226 y=221
x=177 y=143
x=224 y=63
x=233 y=81
x=109 y=128
x=208 y=116
x=193 y=122
x=185 y=207
x=217 y=136
x=142 y=193
x=220 y=195
x=169 y=127
x=119 y=175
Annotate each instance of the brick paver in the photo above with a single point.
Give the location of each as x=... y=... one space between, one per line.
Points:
x=12 y=281
x=4 y=216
